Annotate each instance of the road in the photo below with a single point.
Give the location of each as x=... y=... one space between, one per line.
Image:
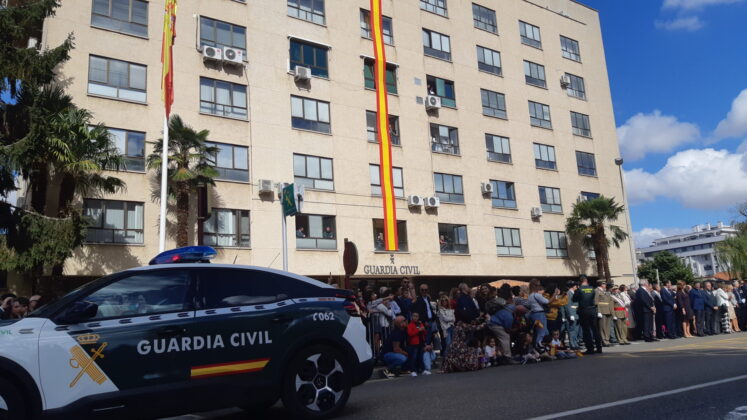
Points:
x=698 y=378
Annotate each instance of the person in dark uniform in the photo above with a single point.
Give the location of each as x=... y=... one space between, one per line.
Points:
x=668 y=305
x=587 y=313
x=647 y=310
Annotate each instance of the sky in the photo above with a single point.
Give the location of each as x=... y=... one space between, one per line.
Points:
x=678 y=73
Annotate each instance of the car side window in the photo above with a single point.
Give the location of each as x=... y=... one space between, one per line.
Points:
x=145 y=293
x=221 y=288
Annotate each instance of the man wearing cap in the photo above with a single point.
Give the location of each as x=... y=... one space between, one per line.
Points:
x=603 y=300
x=619 y=316
x=571 y=317
x=587 y=312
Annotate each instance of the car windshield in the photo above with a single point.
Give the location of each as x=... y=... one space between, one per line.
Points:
x=54 y=302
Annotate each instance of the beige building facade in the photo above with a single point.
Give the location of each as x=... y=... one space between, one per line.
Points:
x=525 y=108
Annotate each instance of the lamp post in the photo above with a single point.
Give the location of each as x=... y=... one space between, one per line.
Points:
x=619 y=162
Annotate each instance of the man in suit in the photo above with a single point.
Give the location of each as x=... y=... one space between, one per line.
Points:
x=697 y=301
x=668 y=306
x=422 y=306
x=647 y=310
x=740 y=308
x=587 y=312
x=603 y=300
x=712 y=317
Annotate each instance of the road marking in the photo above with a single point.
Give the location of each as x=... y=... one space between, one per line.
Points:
x=636 y=399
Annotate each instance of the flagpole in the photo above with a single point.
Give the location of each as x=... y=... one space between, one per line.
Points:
x=164 y=176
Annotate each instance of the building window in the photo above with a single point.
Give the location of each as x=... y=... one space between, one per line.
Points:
x=231 y=162
x=310 y=114
x=539 y=115
x=484 y=18
x=372 y=131
x=508 y=241
x=570 y=48
x=589 y=195
x=503 y=194
x=530 y=35
x=219 y=34
x=493 y=103
x=556 y=244
x=398 y=183
x=436 y=45
x=315 y=232
x=586 y=164
x=489 y=60
x=534 y=74
x=576 y=88
x=444 y=139
x=452 y=239
x=442 y=88
x=309 y=55
x=550 y=199
x=227 y=228
x=434 y=6
x=378 y=231
x=113 y=222
x=131 y=145
x=223 y=99
x=311 y=10
x=313 y=172
x=126 y=16
x=580 y=124
x=370 y=81
x=116 y=79
x=386 y=24
x=544 y=156
x=499 y=148
x=449 y=188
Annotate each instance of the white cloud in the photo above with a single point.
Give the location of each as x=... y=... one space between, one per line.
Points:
x=697 y=178
x=645 y=236
x=735 y=123
x=654 y=133
x=689 y=23
x=695 y=4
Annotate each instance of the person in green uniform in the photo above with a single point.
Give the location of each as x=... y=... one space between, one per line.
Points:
x=587 y=313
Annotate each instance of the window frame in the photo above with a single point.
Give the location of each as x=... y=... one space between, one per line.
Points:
x=321 y=178
x=402 y=245
x=125 y=156
x=317 y=70
x=498 y=98
x=374 y=185
x=435 y=5
x=584 y=158
x=479 y=23
x=451 y=147
x=433 y=82
x=568 y=52
x=505 y=143
x=536 y=121
x=559 y=238
x=444 y=195
x=390 y=77
x=103 y=19
x=589 y=195
x=550 y=199
x=394 y=133
x=237 y=215
x=577 y=87
x=108 y=83
x=526 y=39
x=438 y=53
x=503 y=202
x=221 y=170
x=365 y=20
x=452 y=229
x=215 y=43
x=483 y=65
x=315 y=124
x=317 y=240
x=585 y=129
x=513 y=239
x=301 y=13
x=534 y=74
x=214 y=106
x=541 y=149
x=124 y=230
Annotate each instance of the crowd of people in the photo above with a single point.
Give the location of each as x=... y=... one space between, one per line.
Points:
x=17 y=307
x=468 y=329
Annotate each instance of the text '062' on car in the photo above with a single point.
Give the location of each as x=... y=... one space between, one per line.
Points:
x=181 y=336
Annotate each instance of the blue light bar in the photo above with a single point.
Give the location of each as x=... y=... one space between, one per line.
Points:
x=187 y=254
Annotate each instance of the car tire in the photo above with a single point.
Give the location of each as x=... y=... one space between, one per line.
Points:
x=317 y=383
x=12 y=404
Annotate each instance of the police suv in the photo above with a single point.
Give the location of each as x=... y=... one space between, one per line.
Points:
x=176 y=338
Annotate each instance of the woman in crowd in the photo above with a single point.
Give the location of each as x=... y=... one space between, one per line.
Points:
x=722 y=301
x=732 y=303
x=684 y=310
x=537 y=305
x=462 y=357
x=446 y=321
x=556 y=301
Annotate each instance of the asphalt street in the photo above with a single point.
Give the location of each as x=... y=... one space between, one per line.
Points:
x=698 y=378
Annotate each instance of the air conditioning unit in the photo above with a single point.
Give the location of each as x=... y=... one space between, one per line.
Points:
x=432 y=202
x=302 y=74
x=536 y=212
x=432 y=102
x=414 y=201
x=211 y=53
x=486 y=187
x=233 y=55
x=266 y=186
x=565 y=81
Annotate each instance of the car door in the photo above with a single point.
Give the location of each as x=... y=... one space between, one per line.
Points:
x=134 y=343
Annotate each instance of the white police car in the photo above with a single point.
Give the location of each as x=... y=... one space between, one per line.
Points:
x=176 y=338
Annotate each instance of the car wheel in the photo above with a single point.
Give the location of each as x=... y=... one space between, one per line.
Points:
x=12 y=404
x=317 y=383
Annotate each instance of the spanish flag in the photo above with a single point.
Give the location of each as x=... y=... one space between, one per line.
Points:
x=167 y=58
x=382 y=125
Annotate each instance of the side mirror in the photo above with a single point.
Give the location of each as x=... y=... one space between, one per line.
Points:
x=78 y=312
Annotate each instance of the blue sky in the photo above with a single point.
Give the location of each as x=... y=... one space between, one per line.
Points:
x=678 y=72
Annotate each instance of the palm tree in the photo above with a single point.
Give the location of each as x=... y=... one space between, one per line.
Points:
x=189 y=165
x=587 y=222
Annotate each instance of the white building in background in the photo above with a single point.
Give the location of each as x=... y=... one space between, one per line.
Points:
x=697 y=249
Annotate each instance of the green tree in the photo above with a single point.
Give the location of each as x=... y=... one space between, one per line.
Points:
x=732 y=253
x=189 y=166
x=590 y=222
x=670 y=267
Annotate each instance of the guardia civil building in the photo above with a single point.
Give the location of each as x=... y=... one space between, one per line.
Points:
x=500 y=115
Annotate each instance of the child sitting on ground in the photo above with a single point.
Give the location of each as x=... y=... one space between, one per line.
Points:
x=490 y=353
x=524 y=351
x=557 y=349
